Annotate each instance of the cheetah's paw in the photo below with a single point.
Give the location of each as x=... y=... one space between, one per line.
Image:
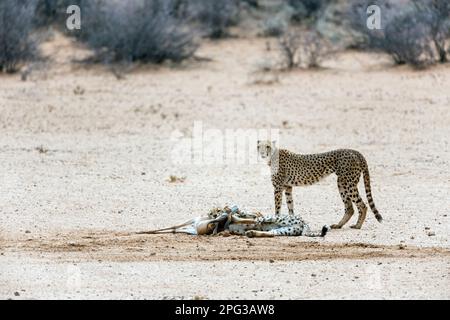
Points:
x=250 y=233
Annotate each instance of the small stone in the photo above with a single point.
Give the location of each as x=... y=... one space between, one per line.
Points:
x=271 y=261
x=313 y=275
x=431 y=233
x=402 y=246
x=27 y=231
x=17 y=294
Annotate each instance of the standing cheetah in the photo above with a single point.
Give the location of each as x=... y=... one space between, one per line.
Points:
x=289 y=169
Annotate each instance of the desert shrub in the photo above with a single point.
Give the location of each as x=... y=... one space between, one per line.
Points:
x=407 y=40
x=306 y=9
x=303 y=49
x=251 y=3
x=17 y=45
x=289 y=45
x=274 y=27
x=53 y=12
x=314 y=48
x=357 y=17
x=437 y=14
x=412 y=34
x=146 y=31
x=214 y=17
x=47 y=11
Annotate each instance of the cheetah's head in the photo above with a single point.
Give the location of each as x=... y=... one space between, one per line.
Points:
x=265 y=148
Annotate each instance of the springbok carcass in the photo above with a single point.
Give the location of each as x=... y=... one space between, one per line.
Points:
x=238 y=222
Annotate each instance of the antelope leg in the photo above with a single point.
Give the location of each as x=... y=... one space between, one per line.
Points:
x=169 y=228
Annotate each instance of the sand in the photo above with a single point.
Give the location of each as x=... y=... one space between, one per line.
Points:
x=87 y=158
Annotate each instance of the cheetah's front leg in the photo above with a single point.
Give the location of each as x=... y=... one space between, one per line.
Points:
x=278 y=193
x=289 y=199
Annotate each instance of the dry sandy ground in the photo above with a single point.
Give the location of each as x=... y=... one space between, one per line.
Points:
x=85 y=161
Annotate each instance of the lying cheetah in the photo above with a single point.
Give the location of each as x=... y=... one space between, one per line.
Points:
x=289 y=169
x=257 y=225
x=239 y=222
x=274 y=225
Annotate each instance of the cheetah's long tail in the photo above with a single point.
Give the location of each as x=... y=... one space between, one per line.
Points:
x=369 y=194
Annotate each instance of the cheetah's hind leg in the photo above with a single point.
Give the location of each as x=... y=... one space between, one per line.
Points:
x=362 y=209
x=259 y=234
x=276 y=232
x=344 y=191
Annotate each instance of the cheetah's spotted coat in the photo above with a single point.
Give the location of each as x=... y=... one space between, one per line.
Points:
x=289 y=169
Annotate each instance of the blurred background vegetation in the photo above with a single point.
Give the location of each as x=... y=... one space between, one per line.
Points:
x=414 y=32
